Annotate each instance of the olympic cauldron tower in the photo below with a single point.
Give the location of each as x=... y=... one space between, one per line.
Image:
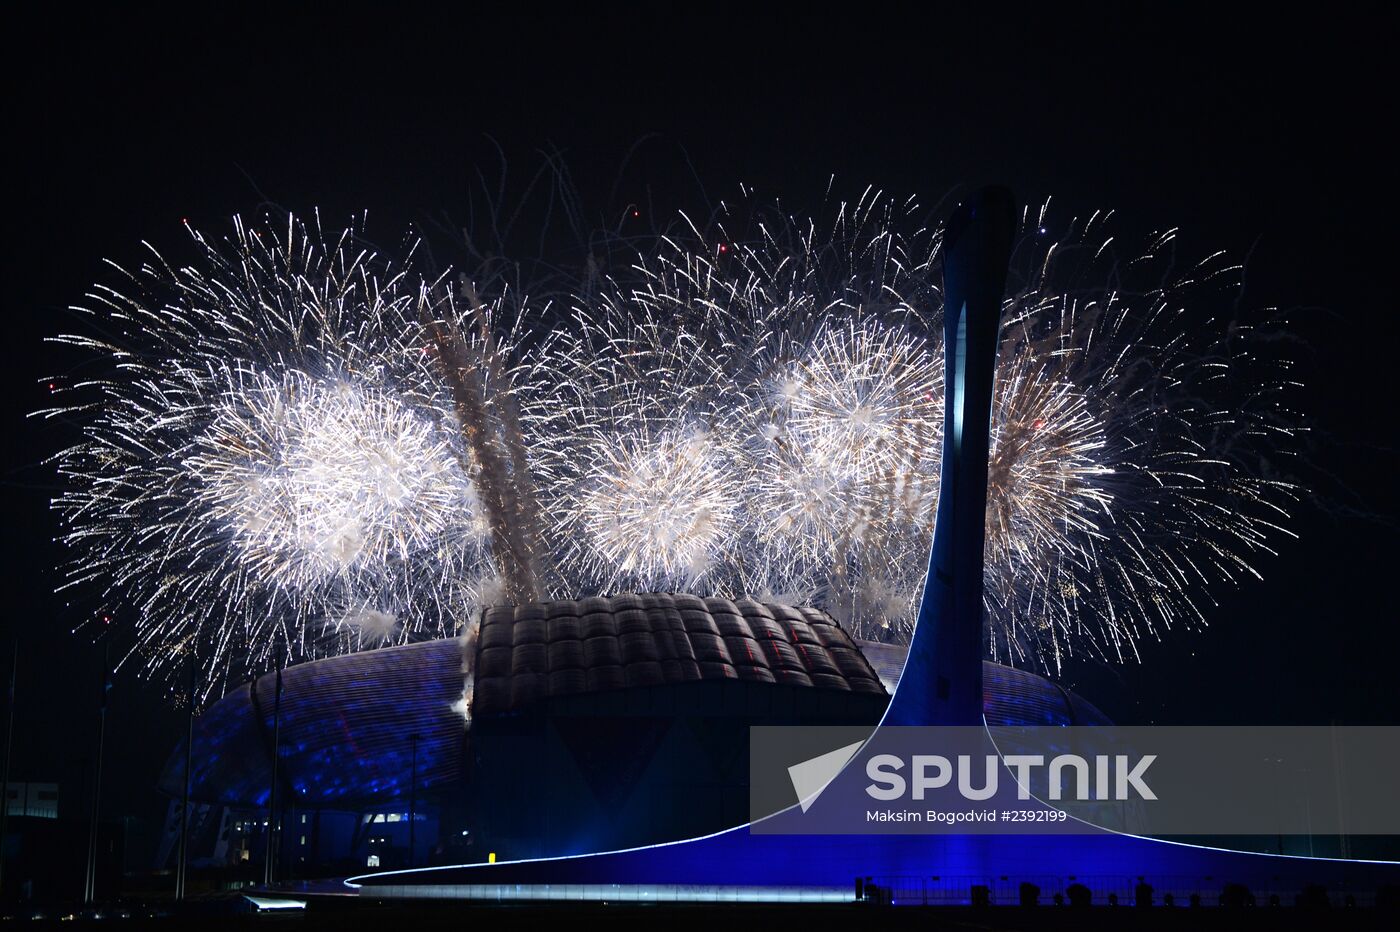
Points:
x=942 y=679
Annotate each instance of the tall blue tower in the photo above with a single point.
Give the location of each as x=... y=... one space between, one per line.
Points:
x=942 y=679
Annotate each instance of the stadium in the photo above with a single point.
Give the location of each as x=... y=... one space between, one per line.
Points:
x=621 y=725
x=624 y=719
x=600 y=751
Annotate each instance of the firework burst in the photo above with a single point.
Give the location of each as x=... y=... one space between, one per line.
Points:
x=293 y=445
x=316 y=479
x=845 y=436
x=268 y=464
x=657 y=508
x=1128 y=429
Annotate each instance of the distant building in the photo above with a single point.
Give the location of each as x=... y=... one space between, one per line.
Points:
x=36 y=800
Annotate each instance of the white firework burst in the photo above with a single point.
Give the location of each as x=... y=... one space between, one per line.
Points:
x=1124 y=476
x=847 y=437
x=269 y=465
x=295 y=446
x=317 y=479
x=657 y=510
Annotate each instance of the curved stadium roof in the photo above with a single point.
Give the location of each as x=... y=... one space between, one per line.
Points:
x=529 y=653
x=346 y=721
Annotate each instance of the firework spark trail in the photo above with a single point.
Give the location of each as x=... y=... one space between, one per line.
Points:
x=850 y=432
x=268 y=463
x=658 y=507
x=468 y=367
x=315 y=478
x=1123 y=481
x=311 y=447
x=624 y=411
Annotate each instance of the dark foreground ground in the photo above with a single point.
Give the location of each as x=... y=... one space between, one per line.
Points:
x=348 y=913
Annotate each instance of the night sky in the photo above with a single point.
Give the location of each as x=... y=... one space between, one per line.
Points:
x=1265 y=139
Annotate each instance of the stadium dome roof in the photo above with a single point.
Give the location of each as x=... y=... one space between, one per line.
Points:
x=531 y=652
x=346 y=721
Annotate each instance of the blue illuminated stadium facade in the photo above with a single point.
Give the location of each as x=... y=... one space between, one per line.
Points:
x=597 y=723
x=627 y=766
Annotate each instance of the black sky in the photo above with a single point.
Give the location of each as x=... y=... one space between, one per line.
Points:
x=1266 y=138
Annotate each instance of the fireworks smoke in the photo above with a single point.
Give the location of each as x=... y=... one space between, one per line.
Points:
x=295 y=445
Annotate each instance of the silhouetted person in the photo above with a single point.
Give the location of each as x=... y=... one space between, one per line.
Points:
x=1078 y=894
x=1030 y=894
x=1142 y=893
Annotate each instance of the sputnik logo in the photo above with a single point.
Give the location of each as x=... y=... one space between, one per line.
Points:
x=812 y=776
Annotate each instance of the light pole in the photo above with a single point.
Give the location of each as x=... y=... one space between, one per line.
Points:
x=9 y=745
x=413 y=801
x=269 y=871
x=90 y=882
x=182 y=867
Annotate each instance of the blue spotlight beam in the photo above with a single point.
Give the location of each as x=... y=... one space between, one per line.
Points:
x=942 y=679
